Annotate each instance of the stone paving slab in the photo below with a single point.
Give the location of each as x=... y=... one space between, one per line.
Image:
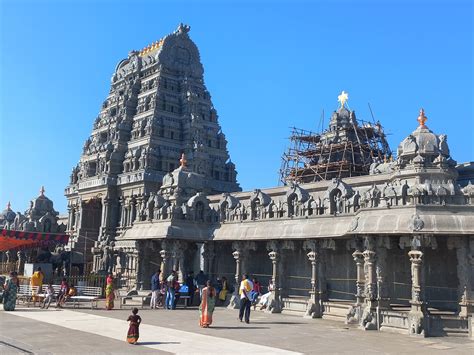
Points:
x=284 y=332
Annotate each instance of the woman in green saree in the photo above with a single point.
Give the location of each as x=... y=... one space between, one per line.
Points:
x=9 y=292
x=208 y=303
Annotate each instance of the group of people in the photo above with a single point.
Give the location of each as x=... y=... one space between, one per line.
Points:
x=44 y=299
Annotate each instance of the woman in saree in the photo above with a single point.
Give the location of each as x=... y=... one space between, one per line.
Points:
x=37 y=281
x=9 y=292
x=206 y=308
x=109 y=293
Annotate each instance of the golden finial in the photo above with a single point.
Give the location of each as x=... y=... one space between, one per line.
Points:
x=42 y=191
x=422 y=119
x=183 y=161
x=342 y=98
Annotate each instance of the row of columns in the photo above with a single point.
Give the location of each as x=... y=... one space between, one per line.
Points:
x=372 y=292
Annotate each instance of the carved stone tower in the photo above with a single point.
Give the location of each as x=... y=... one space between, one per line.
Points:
x=158 y=108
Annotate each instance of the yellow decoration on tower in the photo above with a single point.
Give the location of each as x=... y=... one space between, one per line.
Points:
x=342 y=98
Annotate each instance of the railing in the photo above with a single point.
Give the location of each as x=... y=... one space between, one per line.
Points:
x=337 y=293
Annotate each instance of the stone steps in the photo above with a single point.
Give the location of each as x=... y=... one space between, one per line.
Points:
x=294 y=305
x=448 y=325
x=336 y=310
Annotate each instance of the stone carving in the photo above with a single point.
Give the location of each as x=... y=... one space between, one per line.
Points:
x=354 y=224
x=416 y=224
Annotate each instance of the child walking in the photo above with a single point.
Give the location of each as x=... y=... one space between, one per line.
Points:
x=135 y=321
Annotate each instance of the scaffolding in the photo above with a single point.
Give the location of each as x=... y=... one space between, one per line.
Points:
x=343 y=150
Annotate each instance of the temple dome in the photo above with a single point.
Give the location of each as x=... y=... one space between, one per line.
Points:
x=422 y=145
x=40 y=206
x=7 y=214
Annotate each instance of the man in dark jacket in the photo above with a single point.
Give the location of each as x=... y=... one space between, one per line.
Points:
x=191 y=286
x=155 y=289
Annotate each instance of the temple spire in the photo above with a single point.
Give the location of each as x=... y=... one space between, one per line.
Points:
x=342 y=98
x=422 y=118
x=42 y=191
x=9 y=205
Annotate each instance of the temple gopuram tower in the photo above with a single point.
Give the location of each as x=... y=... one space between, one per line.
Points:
x=157 y=109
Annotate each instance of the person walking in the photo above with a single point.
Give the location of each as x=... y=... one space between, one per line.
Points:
x=109 y=293
x=37 y=281
x=244 y=290
x=191 y=286
x=9 y=292
x=133 y=330
x=155 y=289
x=208 y=303
x=201 y=279
x=170 y=290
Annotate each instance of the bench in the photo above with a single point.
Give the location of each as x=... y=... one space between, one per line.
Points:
x=86 y=294
x=142 y=296
x=45 y=287
x=26 y=292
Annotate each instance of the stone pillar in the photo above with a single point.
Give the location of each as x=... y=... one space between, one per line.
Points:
x=314 y=308
x=178 y=253
x=360 y=282
x=208 y=256
x=275 y=305
x=383 y=243
x=235 y=300
x=166 y=255
x=70 y=214
x=417 y=318
x=20 y=262
x=370 y=273
x=464 y=270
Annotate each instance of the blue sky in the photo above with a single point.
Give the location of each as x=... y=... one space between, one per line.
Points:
x=269 y=65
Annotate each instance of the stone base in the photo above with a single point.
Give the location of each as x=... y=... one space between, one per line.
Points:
x=417 y=324
x=313 y=310
x=369 y=319
x=354 y=315
x=274 y=304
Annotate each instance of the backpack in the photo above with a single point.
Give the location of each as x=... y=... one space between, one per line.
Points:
x=253 y=295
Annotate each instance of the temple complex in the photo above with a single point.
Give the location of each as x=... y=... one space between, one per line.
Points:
x=358 y=232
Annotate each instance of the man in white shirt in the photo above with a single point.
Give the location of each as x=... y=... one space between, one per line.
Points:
x=246 y=286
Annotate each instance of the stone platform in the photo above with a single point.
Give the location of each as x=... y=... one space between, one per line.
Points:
x=103 y=332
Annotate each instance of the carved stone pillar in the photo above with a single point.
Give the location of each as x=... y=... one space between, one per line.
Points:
x=383 y=243
x=209 y=256
x=314 y=309
x=240 y=254
x=139 y=265
x=464 y=270
x=235 y=300
x=417 y=312
x=360 y=282
x=370 y=273
x=70 y=214
x=20 y=262
x=178 y=253
x=166 y=255
x=275 y=304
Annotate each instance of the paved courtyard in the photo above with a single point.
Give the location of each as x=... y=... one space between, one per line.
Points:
x=69 y=331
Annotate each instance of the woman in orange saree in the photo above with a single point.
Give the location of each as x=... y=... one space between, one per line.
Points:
x=206 y=308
